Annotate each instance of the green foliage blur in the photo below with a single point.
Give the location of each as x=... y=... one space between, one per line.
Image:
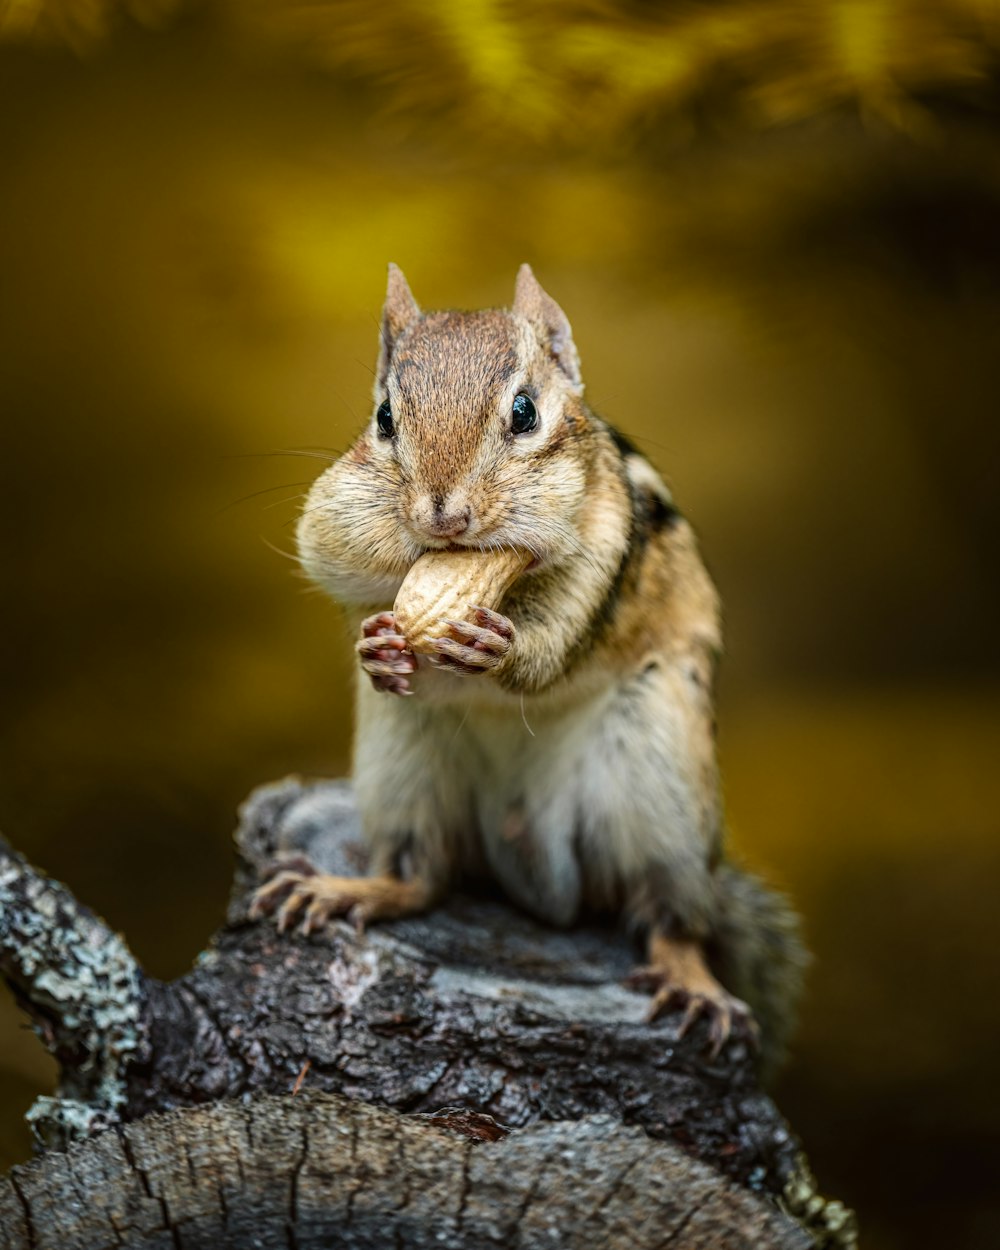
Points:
x=774 y=227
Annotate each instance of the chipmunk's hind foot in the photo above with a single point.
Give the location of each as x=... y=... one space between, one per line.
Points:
x=300 y=893
x=678 y=978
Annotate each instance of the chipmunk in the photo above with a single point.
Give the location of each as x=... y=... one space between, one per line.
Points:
x=566 y=745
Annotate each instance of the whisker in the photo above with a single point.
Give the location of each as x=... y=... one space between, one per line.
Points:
x=235 y=503
x=461 y=723
x=567 y=535
x=310 y=587
x=642 y=438
x=278 y=550
x=317 y=507
x=302 y=453
x=288 y=499
x=524 y=717
x=336 y=395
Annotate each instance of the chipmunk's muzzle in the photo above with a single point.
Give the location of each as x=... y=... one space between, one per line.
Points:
x=441 y=516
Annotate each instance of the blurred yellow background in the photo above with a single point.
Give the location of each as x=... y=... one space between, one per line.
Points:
x=775 y=229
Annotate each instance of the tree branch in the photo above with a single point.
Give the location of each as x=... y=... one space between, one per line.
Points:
x=473 y=1009
x=84 y=993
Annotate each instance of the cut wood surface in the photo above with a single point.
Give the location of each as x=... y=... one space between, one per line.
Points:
x=318 y=1171
x=522 y=1097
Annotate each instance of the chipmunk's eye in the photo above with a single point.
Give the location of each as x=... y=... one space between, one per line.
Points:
x=524 y=417
x=386 y=426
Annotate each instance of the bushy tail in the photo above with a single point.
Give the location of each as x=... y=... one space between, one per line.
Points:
x=758 y=954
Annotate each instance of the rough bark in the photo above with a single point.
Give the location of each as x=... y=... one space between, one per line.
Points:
x=473 y=1008
x=84 y=991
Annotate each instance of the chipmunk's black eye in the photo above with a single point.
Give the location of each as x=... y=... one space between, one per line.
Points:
x=386 y=426
x=524 y=417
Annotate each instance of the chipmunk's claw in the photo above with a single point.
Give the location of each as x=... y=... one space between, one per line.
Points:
x=385 y=655
x=288 y=877
x=679 y=980
x=359 y=915
x=722 y=1011
x=473 y=646
x=493 y=621
x=311 y=898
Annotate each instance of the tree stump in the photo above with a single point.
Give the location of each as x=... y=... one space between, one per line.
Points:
x=464 y=1078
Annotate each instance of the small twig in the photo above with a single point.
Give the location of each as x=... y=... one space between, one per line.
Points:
x=301 y=1077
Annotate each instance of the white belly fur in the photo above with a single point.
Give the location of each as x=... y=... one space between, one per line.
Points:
x=567 y=801
x=529 y=806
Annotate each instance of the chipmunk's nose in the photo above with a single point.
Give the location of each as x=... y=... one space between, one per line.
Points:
x=449 y=520
x=443 y=516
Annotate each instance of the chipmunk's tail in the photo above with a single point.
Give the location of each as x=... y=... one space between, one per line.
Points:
x=758 y=953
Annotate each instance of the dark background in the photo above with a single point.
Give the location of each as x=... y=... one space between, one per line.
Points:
x=776 y=229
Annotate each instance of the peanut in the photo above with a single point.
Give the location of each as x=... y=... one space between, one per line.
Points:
x=444 y=585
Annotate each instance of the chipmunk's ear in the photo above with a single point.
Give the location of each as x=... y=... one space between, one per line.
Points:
x=399 y=311
x=549 y=320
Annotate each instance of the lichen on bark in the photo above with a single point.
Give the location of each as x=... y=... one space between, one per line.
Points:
x=84 y=993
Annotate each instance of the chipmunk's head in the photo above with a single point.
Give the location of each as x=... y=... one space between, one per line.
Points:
x=477 y=432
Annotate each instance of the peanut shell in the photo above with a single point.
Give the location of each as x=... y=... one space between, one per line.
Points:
x=443 y=585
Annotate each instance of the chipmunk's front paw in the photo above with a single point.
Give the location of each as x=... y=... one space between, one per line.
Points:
x=475 y=646
x=385 y=654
